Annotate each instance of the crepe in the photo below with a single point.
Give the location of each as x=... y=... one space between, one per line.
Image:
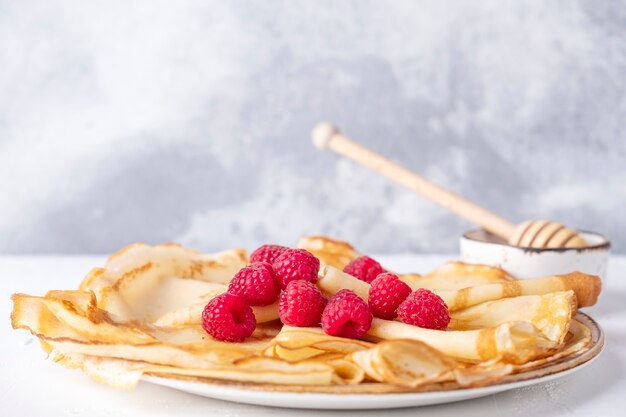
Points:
x=331 y=280
x=141 y=314
x=456 y=275
x=329 y=251
x=586 y=288
x=549 y=313
x=405 y=362
x=142 y=282
x=513 y=341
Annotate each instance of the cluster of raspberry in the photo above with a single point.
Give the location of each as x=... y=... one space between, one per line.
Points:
x=289 y=276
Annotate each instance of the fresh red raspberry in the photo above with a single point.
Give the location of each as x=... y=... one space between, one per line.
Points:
x=294 y=264
x=424 y=308
x=387 y=292
x=228 y=317
x=346 y=315
x=267 y=253
x=301 y=304
x=364 y=268
x=255 y=284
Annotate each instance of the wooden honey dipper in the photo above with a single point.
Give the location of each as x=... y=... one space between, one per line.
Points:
x=532 y=233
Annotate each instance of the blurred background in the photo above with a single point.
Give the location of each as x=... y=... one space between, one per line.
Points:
x=190 y=121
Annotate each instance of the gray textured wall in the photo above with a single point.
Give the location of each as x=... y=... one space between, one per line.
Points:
x=189 y=121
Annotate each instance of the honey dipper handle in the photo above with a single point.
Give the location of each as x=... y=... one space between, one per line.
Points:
x=327 y=136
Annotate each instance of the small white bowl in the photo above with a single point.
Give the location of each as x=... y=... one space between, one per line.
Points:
x=480 y=247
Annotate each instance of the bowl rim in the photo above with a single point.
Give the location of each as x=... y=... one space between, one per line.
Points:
x=605 y=245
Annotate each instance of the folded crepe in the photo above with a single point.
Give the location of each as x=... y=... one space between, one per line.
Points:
x=405 y=362
x=78 y=332
x=550 y=313
x=514 y=341
x=456 y=275
x=143 y=282
x=331 y=252
x=586 y=288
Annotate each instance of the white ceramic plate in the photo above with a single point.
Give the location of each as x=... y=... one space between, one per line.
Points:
x=277 y=396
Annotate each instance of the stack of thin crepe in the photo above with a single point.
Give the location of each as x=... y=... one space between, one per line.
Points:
x=140 y=314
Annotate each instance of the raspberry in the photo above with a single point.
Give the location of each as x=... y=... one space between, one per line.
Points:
x=346 y=315
x=267 y=253
x=228 y=317
x=294 y=264
x=387 y=292
x=424 y=308
x=364 y=268
x=255 y=284
x=301 y=304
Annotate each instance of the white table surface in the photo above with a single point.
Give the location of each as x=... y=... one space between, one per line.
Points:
x=32 y=386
